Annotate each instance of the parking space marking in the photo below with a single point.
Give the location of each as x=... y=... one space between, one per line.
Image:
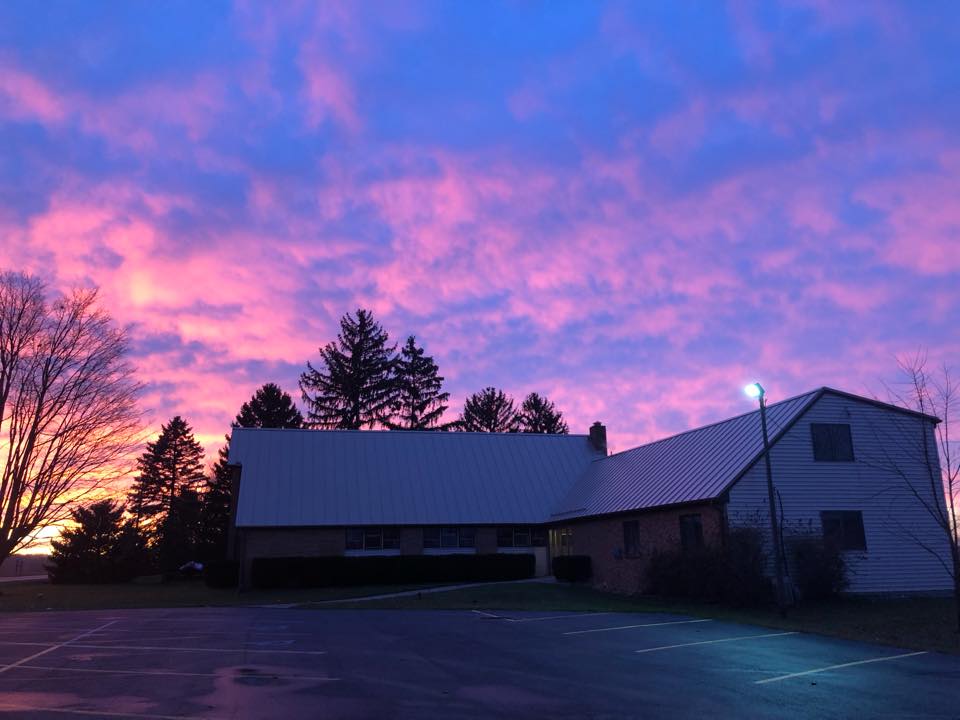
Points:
x=54 y=647
x=192 y=649
x=484 y=613
x=711 y=642
x=557 y=617
x=175 y=673
x=99 y=713
x=629 y=627
x=841 y=665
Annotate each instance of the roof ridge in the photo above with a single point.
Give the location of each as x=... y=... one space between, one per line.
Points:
x=412 y=432
x=716 y=423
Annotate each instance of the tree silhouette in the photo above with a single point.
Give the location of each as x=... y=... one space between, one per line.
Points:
x=489 y=410
x=96 y=548
x=172 y=464
x=354 y=387
x=539 y=415
x=270 y=407
x=420 y=401
x=68 y=414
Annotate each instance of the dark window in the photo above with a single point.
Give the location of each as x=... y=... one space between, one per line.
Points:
x=467 y=537
x=832 y=442
x=631 y=538
x=521 y=537
x=373 y=538
x=538 y=537
x=354 y=538
x=691 y=532
x=449 y=537
x=504 y=537
x=431 y=537
x=843 y=529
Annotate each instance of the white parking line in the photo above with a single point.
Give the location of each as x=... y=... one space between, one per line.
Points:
x=100 y=713
x=54 y=647
x=835 y=667
x=711 y=642
x=557 y=617
x=176 y=673
x=487 y=614
x=629 y=627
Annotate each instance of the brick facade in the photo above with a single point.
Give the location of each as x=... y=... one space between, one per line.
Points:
x=602 y=539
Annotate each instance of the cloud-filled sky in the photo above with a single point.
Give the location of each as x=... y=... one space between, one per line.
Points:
x=633 y=208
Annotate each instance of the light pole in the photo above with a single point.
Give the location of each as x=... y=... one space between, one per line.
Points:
x=755 y=390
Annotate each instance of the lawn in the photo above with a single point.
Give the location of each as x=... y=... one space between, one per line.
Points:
x=915 y=623
x=187 y=593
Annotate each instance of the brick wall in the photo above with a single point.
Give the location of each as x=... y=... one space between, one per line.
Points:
x=294 y=542
x=602 y=538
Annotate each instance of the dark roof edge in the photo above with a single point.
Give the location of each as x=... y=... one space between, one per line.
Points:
x=880 y=404
x=409 y=432
x=554 y=519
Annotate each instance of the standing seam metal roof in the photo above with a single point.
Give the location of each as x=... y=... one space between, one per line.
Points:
x=696 y=465
x=352 y=477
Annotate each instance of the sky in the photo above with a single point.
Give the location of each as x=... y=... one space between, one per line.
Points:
x=631 y=208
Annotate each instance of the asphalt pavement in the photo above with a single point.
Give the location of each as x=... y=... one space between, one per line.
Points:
x=219 y=663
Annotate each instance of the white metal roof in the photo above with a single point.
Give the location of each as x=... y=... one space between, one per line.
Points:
x=696 y=465
x=352 y=477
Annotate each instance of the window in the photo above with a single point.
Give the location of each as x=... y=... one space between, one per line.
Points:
x=561 y=541
x=631 y=538
x=449 y=537
x=373 y=538
x=521 y=536
x=691 y=532
x=832 y=442
x=843 y=529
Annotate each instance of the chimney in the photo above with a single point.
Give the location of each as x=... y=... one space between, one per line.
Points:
x=598 y=437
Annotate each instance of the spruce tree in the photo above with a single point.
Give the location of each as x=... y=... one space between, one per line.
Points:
x=354 y=387
x=96 y=548
x=172 y=464
x=489 y=410
x=270 y=407
x=420 y=400
x=539 y=415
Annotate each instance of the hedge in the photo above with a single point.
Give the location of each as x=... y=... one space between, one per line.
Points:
x=307 y=572
x=221 y=573
x=572 y=568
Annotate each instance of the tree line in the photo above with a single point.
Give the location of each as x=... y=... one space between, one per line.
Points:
x=174 y=512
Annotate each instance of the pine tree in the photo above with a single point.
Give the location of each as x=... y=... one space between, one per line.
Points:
x=96 y=548
x=489 y=410
x=169 y=466
x=179 y=537
x=355 y=385
x=420 y=401
x=539 y=415
x=270 y=407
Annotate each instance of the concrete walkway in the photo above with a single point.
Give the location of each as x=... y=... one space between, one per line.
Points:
x=22 y=578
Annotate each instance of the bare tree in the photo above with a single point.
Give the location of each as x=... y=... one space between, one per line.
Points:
x=68 y=414
x=938 y=492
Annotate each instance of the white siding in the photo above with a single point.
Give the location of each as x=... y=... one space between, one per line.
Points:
x=893 y=518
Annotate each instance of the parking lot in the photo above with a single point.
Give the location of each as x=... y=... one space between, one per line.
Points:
x=273 y=663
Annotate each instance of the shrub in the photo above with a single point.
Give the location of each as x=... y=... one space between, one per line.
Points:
x=304 y=572
x=221 y=573
x=734 y=574
x=572 y=568
x=819 y=570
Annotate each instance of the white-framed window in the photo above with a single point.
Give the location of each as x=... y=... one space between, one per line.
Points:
x=373 y=538
x=449 y=537
x=513 y=536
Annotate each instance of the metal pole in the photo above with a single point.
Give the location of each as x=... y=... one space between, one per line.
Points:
x=774 y=525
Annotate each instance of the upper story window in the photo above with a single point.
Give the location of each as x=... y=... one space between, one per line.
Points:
x=521 y=536
x=631 y=538
x=832 y=442
x=449 y=537
x=843 y=529
x=373 y=538
x=691 y=532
